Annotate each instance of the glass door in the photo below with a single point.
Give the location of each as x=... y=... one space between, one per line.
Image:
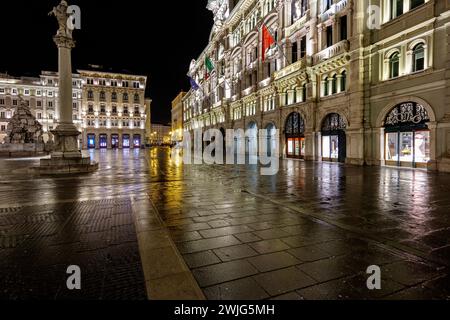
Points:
x=103 y=141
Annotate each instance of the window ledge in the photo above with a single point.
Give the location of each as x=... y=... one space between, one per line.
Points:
x=333 y=96
x=408 y=76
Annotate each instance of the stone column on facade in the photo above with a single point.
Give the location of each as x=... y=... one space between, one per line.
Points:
x=433 y=163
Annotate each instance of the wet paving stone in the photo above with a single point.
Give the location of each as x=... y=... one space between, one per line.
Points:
x=268 y=246
x=273 y=261
x=243 y=289
x=283 y=281
x=211 y=275
x=310 y=232
x=235 y=253
x=201 y=259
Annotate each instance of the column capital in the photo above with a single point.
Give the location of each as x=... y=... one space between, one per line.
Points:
x=64 y=42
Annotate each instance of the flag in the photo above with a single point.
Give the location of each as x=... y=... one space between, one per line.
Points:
x=209 y=67
x=268 y=41
x=194 y=84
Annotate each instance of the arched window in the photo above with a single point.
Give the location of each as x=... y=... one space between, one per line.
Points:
x=125 y=97
x=136 y=98
x=344 y=81
x=90 y=94
x=394 y=65
x=102 y=95
x=418 y=58
x=334 y=85
x=325 y=87
x=114 y=96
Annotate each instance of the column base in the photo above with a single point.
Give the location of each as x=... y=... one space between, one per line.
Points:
x=56 y=166
x=66 y=158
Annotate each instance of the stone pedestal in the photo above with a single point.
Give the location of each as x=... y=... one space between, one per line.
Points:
x=66 y=158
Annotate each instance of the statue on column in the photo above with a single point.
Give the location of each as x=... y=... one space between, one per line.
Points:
x=60 y=12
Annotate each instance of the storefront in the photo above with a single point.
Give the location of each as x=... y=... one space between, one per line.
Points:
x=137 y=141
x=295 y=136
x=407 y=136
x=334 y=139
x=103 y=140
x=115 y=141
x=91 y=141
x=126 y=141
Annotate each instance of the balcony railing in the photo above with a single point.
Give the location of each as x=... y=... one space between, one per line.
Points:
x=337 y=7
x=335 y=50
x=290 y=69
x=248 y=91
x=297 y=25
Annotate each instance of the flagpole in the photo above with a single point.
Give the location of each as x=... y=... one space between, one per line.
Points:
x=276 y=43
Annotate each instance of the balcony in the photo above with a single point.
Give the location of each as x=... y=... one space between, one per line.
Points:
x=336 y=7
x=290 y=69
x=248 y=91
x=333 y=51
x=297 y=25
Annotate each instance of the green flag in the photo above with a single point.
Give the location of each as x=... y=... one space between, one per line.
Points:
x=209 y=67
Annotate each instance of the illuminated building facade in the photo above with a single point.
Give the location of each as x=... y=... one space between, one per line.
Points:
x=358 y=82
x=114 y=110
x=177 y=118
x=41 y=94
x=109 y=109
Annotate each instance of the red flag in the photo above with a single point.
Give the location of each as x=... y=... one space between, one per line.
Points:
x=268 y=41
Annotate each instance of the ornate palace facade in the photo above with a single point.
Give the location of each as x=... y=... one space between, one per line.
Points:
x=348 y=81
x=109 y=109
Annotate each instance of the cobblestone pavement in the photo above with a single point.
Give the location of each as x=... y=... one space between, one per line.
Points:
x=309 y=232
x=48 y=224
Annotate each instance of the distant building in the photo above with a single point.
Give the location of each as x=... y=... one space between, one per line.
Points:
x=41 y=94
x=109 y=109
x=161 y=135
x=177 y=117
x=114 y=110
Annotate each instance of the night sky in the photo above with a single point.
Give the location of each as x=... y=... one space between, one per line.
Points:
x=153 y=38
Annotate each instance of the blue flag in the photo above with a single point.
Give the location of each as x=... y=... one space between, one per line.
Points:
x=194 y=84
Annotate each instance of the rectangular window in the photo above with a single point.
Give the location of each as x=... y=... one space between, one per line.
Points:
x=2 y=90
x=2 y=115
x=294 y=52
x=396 y=8
x=3 y=128
x=343 y=24
x=39 y=104
x=416 y=3
x=2 y=102
x=303 y=47
x=329 y=36
x=14 y=102
x=39 y=116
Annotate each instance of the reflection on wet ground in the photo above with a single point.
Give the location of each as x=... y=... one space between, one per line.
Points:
x=309 y=232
